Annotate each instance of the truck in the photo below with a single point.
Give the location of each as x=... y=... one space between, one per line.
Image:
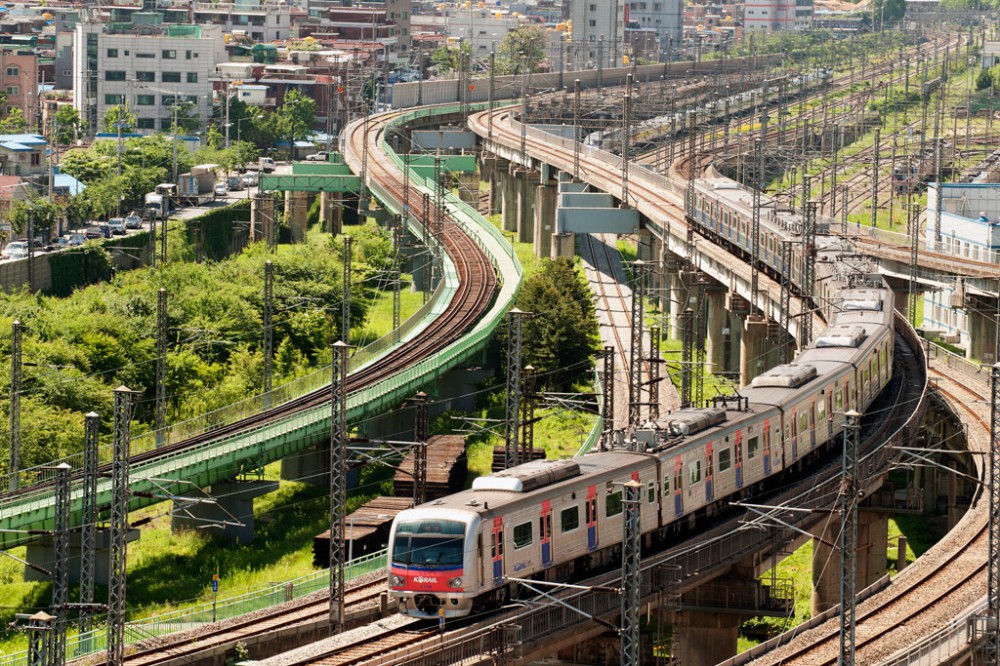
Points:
x=266 y=165
x=198 y=185
x=159 y=203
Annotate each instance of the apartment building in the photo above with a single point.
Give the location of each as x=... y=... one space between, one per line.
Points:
x=777 y=15
x=663 y=17
x=19 y=82
x=598 y=36
x=148 y=67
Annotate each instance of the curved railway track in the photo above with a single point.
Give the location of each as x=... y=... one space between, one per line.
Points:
x=477 y=285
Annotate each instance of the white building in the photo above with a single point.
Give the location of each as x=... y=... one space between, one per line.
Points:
x=480 y=27
x=665 y=17
x=777 y=15
x=970 y=229
x=147 y=71
x=598 y=32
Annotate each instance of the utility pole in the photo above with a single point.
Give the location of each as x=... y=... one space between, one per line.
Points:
x=875 y=160
x=31 y=248
x=88 y=528
x=60 y=567
x=345 y=305
x=268 y=330
x=420 y=435
x=119 y=526
x=492 y=94
x=608 y=395
x=849 y=537
x=911 y=303
x=654 y=372
x=988 y=627
x=784 y=340
x=15 y=406
x=698 y=340
x=338 y=483
x=528 y=399
x=626 y=139
x=161 y=365
x=808 y=271
x=576 y=129
x=631 y=561
x=515 y=320
x=396 y=281
x=757 y=171
x=635 y=343
x=687 y=355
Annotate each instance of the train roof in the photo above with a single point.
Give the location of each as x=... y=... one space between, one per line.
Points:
x=503 y=491
x=774 y=395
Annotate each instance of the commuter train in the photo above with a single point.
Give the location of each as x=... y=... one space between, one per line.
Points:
x=554 y=519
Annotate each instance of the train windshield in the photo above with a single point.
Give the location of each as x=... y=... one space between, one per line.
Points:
x=429 y=543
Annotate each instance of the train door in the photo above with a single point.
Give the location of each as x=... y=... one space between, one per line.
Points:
x=829 y=413
x=812 y=425
x=545 y=533
x=709 y=468
x=767 y=447
x=738 y=445
x=678 y=487
x=496 y=551
x=591 y=518
x=793 y=437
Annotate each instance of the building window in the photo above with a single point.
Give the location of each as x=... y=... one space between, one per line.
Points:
x=170 y=77
x=36 y=159
x=13 y=90
x=167 y=100
x=112 y=99
x=165 y=123
x=145 y=100
x=168 y=54
x=145 y=54
x=146 y=123
x=114 y=75
x=112 y=53
x=192 y=77
x=187 y=54
x=13 y=71
x=191 y=99
x=146 y=77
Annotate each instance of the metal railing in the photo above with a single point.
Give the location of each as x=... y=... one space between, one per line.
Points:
x=79 y=645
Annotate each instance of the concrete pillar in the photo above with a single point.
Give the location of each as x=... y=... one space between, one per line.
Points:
x=545 y=218
x=40 y=553
x=982 y=335
x=331 y=213
x=734 y=343
x=873 y=537
x=752 y=352
x=261 y=216
x=296 y=214
x=468 y=188
x=527 y=181
x=508 y=195
x=678 y=301
x=718 y=330
x=705 y=638
x=234 y=504
x=563 y=245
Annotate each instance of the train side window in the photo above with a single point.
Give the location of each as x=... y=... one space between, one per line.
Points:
x=613 y=505
x=666 y=485
x=493 y=544
x=522 y=535
x=753 y=446
x=589 y=515
x=569 y=519
x=725 y=459
x=500 y=544
x=803 y=421
x=651 y=491
x=838 y=401
x=694 y=472
x=820 y=411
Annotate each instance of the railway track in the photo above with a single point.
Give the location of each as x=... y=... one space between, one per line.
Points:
x=477 y=286
x=926 y=596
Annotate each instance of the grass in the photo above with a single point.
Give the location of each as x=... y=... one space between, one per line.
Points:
x=173 y=570
x=379 y=321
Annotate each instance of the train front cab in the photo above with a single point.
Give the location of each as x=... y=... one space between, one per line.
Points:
x=432 y=561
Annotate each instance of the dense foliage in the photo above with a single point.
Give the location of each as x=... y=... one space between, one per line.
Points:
x=561 y=335
x=77 y=349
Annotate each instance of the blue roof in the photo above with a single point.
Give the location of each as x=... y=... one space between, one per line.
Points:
x=16 y=147
x=23 y=139
x=65 y=181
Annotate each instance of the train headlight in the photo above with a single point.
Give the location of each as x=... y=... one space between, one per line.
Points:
x=398 y=581
x=455 y=582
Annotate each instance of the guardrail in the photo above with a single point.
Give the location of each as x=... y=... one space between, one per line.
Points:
x=945 y=645
x=79 y=645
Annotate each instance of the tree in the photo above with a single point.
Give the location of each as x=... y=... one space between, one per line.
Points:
x=184 y=117
x=887 y=11
x=296 y=116
x=562 y=334
x=14 y=122
x=118 y=116
x=521 y=50
x=448 y=59
x=67 y=124
x=46 y=216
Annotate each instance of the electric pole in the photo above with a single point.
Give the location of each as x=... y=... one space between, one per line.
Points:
x=515 y=320
x=635 y=343
x=60 y=568
x=631 y=561
x=15 y=405
x=338 y=483
x=345 y=305
x=268 y=330
x=849 y=537
x=119 y=526
x=608 y=395
x=161 y=365
x=88 y=528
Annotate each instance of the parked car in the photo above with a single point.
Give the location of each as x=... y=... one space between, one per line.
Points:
x=93 y=233
x=235 y=183
x=76 y=239
x=15 y=250
x=221 y=189
x=60 y=243
x=117 y=226
x=250 y=178
x=321 y=156
x=133 y=221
